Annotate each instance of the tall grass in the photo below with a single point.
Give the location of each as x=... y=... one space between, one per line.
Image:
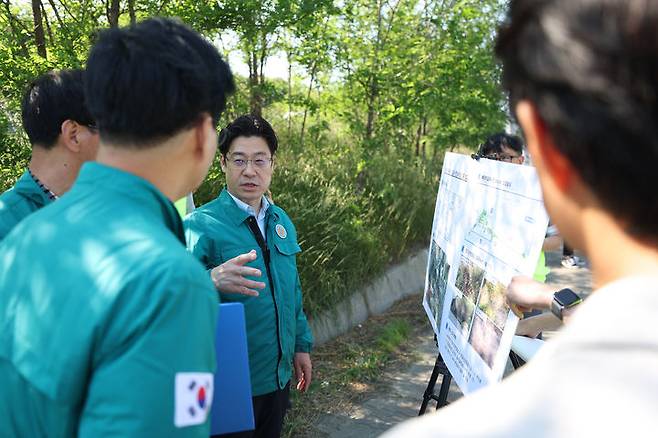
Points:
x=354 y=215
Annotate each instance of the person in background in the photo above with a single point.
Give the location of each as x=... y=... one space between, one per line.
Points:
x=581 y=76
x=63 y=136
x=569 y=259
x=509 y=148
x=503 y=147
x=250 y=244
x=106 y=321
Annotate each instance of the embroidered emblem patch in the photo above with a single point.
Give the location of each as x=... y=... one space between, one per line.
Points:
x=281 y=231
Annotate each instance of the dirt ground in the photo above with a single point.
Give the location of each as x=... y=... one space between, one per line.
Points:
x=351 y=368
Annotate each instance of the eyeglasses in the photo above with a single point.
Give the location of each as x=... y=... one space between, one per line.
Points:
x=92 y=126
x=502 y=157
x=258 y=163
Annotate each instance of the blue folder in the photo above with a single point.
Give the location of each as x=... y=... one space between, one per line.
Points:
x=232 y=410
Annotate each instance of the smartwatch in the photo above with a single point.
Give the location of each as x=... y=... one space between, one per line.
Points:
x=564 y=299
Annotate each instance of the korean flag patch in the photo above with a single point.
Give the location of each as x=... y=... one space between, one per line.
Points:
x=193 y=398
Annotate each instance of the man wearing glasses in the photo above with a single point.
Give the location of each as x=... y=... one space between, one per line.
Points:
x=503 y=147
x=509 y=148
x=249 y=244
x=63 y=136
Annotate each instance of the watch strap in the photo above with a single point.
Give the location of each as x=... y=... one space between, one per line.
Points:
x=556 y=308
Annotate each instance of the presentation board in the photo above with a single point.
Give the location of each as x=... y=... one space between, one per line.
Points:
x=489 y=225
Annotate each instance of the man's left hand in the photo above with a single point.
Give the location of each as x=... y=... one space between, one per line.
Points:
x=303 y=370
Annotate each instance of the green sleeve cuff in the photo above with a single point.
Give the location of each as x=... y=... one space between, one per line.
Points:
x=303 y=347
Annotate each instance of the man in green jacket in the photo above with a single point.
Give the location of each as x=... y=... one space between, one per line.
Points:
x=248 y=243
x=63 y=136
x=106 y=321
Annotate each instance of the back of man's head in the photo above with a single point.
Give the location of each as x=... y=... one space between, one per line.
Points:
x=49 y=101
x=149 y=81
x=590 y=68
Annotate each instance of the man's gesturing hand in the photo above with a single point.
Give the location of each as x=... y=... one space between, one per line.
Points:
x=229 y=277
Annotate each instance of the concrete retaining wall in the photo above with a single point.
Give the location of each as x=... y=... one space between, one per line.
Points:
x=399 y=281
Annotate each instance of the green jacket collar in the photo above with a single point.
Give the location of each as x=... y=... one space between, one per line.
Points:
x=28 y=188
x=237 y=215
x=148 y=197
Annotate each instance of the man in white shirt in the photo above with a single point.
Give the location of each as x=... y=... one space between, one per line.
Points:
x=583 y=80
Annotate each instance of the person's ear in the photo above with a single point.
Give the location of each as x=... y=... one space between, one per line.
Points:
x=222 y=162
x=205 y=144
x=69 y=135
x=549 y=161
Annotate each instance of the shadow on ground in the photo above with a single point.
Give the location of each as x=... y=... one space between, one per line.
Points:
x=399 y=396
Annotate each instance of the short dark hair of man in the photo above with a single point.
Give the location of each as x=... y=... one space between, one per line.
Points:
x=590 y=68
x=149 y=81
x=494 y=144
x=248 y=125
x=49 y=101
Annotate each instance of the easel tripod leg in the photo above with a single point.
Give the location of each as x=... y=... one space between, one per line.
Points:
x=442 y=398
x=429 y=391
x=443 y=392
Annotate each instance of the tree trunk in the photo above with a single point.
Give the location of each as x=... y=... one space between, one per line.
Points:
x=59 y=18
x=131 y=11
x=417 y=142
x=308 y=98
x=39 y=36
x=255 y=104
x=113 y=13
x=370 y=122
x=48 y=29
x=289 y=56
x=260 y=74
x=263 y=57
x=424 y=143
x=373 y=89
x=13 y=22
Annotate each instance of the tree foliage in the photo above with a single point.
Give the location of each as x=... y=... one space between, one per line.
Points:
x=375 y=92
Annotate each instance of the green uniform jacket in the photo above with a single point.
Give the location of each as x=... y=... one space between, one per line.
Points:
x=24 y=198
x=276 y=324
x=102 y=309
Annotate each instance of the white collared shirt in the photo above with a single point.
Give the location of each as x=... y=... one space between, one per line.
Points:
x=264 y=205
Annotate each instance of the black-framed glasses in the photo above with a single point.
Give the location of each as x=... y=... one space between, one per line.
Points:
x=92 y=126
x=502 y=157
x=258 y=163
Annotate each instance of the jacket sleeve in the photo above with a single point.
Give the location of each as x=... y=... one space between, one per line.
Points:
x=304 y=337
x=198 y=242
x=158 y=339
x=9 y=218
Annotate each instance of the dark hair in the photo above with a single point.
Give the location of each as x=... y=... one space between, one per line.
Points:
x=590 y=68
x=148 y=81
x=494 y=144
x=248 y=125
x=49 y=101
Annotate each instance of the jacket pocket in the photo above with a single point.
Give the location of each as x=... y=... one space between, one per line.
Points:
x=288 y=248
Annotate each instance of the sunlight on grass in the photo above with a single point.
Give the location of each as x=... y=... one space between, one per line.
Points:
x=345 y=369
